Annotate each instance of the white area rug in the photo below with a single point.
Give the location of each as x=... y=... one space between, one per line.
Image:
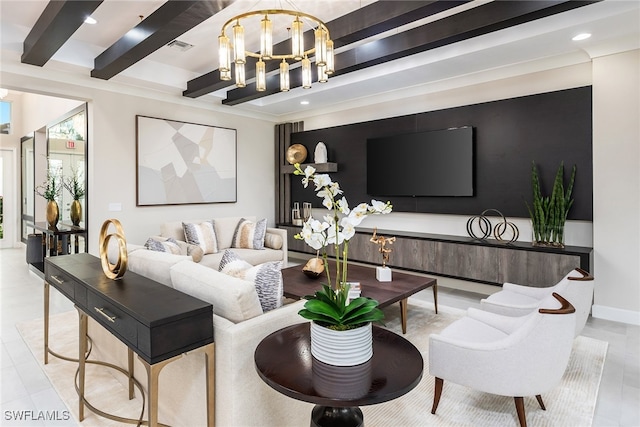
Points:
x=571 y=403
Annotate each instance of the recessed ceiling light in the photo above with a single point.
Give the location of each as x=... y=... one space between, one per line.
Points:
x=582 y=36
x=90 y=20
x=304 y=102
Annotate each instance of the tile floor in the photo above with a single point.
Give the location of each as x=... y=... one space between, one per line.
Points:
x=24 y=386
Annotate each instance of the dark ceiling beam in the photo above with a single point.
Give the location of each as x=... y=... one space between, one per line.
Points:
x=471 y=23
x=172 y=19
x=59 y=20
x=373 y=19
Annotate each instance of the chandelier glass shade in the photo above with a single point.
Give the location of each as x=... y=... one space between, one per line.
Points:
x=231 y=50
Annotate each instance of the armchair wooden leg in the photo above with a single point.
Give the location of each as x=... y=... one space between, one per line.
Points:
x=540 y=402
x=520 y=410
x=436 y=394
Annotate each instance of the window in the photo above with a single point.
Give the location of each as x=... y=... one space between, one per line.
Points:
x=5 y=117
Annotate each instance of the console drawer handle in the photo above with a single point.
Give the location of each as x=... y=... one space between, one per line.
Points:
x=57 y=280
x=111 y=319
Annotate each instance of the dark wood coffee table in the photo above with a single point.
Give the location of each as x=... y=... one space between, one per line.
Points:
x=297 y=285
x=284 y=361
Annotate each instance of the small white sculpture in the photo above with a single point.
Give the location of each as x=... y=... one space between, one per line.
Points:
x=320 y=153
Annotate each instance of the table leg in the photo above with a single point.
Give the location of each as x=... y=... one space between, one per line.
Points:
x=44 y=244
x=130 y=371
x=327 y=416
x=46 y=323
x=153 y=372
x=63 y=245
x=82 y=339
x=210 y=373
x=435 y=296
x=403 y=314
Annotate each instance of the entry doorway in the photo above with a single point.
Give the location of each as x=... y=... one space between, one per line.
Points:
x=7 y=199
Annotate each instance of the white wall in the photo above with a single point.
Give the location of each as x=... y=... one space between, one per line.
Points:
x=615 y=232
x=616 y=187
x=113 y=165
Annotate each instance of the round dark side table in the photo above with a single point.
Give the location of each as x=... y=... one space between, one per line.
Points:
x=284 y=361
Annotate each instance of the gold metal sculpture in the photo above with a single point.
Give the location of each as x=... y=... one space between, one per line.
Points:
x=382 y=241
x=117 y=270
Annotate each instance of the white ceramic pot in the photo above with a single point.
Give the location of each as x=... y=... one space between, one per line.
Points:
x=341 y=348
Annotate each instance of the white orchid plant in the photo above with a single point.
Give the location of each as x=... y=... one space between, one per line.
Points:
x=331 y=305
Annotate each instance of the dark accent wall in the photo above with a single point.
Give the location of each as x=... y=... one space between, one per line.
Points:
x=509 y=134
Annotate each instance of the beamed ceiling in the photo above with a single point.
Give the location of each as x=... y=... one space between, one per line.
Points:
x=381 y=46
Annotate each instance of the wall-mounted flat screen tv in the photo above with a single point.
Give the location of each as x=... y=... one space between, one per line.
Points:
x=433 y=163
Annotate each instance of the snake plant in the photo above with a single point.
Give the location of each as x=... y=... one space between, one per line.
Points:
x=549 y=213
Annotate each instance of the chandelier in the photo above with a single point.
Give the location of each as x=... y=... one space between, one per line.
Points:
x=322 y=49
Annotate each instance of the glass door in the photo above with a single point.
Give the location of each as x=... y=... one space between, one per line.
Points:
x=27 y=155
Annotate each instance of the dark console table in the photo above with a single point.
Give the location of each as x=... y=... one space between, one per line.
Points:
x=482 y=261
x=154 y=321
x=284 y=361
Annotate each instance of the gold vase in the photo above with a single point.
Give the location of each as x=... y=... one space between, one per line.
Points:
x=53 y=213
x=76 y=212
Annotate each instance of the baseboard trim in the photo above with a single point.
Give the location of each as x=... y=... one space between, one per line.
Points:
x=615 y=314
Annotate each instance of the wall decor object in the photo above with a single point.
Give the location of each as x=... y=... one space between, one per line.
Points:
x=297 y=153
x=184 y=163
x=117 y=270
x=483 y=223
x=320 y=153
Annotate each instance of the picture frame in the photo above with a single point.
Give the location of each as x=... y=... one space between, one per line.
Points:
x=181 y=163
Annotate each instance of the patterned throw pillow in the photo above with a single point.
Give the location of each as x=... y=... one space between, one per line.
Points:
x=249 y=235
x=266 y=277
x=169 y=245
x=203 y=235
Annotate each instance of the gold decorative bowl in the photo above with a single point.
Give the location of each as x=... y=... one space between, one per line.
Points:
x=297 y=153
x=313 y=268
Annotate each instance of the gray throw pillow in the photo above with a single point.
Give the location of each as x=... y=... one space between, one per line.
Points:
x=266 y=277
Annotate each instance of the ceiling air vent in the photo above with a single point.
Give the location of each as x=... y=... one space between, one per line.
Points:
x=181 y=46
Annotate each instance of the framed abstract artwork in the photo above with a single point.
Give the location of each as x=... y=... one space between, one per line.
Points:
x=184 y=163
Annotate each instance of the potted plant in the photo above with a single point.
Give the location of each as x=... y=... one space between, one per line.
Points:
x=549 y=213
x=73 y=185
x=332 y=313
x=50 y=189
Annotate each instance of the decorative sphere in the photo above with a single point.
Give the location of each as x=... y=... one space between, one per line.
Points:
x=297 y=153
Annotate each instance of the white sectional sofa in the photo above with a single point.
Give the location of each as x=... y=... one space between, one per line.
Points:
x=241 y=397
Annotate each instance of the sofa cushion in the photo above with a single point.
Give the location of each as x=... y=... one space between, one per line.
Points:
x=154 y=265
x=249 y=234
x=202 y=234
x=266 y=277
x=232 y=298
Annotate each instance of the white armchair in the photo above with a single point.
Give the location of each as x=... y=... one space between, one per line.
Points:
x=517 y=300
x=503 y=355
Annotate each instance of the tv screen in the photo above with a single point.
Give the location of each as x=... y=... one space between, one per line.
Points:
x=434 y=163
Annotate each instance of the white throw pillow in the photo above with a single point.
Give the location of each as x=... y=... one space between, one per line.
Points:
x=267 y=278
x=203 y=235
x=249 y=235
